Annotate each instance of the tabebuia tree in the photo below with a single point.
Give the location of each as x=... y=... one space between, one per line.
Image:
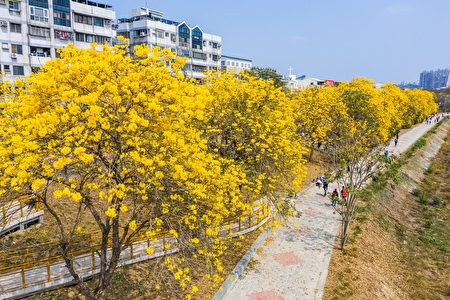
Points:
x=117 y=139
x=251 y=122
x=128 y=146
x=315 y=111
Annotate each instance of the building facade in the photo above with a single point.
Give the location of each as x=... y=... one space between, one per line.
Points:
x=433 y=80
x=302 y=82
x=31 y=31
x=147 y=26
x=235 y=65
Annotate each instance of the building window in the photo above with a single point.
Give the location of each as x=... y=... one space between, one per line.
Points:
x=140 y=32
x=35 y=69
x=184 y=35
x=15 y=27
x=182 y=52
x=63 y=35
x=82 y=19
x=61 y=18
x=41 y=52
x=99 y=22
x=16 y=49
x=39 y=3
x=199 y=55
x=40 y=31
x=13 y=5
x=196 y=68
x=197 y=38
x=6 y=68
x=18 y=70
x=166 y=34
x=88 y=38
x=228 y=63
x=38 y=14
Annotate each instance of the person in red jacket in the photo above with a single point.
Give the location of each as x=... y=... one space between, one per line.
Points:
x=344 y=193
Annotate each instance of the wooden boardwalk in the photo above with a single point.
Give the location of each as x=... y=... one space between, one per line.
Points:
x=23 y=280
x=18 y=215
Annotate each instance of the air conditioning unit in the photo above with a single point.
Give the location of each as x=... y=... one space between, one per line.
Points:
x=13 y=55
x=142 y=33
x=3 y=23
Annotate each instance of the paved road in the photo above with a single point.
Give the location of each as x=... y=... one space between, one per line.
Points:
x=293 y=263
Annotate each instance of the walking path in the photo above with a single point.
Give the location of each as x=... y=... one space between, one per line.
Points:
x=293 y=262
x=17 y=215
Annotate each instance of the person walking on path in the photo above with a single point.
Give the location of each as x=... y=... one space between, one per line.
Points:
x=344 y=193
x=319 y=183
x=325 y=187
x=396 y=141
x=386 y=154
x=334 y=198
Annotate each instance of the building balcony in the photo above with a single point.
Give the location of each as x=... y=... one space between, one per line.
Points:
x=90 y=10
x=39 y=60
x=91 y=29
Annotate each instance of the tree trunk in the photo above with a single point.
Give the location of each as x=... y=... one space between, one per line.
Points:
x=311 y=154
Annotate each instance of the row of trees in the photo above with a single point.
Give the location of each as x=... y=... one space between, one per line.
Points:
x=137 y=148
x=353 y=121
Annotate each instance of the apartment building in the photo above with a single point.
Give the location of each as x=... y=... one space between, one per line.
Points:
x=31 y=31
x=147 y=26
x=435 y=79
x=232 y=64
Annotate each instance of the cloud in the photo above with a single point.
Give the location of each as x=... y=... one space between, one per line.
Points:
x=399 y=8
x=297 y=38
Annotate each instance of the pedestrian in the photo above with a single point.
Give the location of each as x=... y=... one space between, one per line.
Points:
x=386 y=154
x=396 y=141
x=334 y=197
x=318 y=183
x=344 y=193
x=325 y=187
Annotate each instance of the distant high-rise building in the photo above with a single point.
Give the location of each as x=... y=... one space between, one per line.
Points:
x=436 y=79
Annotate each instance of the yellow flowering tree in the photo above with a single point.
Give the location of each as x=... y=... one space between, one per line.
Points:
x=370 y=116
x=118 y=140
x=251 y=123
x=420 y=105
x=315 y=111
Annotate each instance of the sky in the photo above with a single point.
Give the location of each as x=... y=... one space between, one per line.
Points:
x=385 y=40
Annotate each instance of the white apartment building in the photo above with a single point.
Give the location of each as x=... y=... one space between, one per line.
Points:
x=147 y=26
x=235 y=65
x=31 y=31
